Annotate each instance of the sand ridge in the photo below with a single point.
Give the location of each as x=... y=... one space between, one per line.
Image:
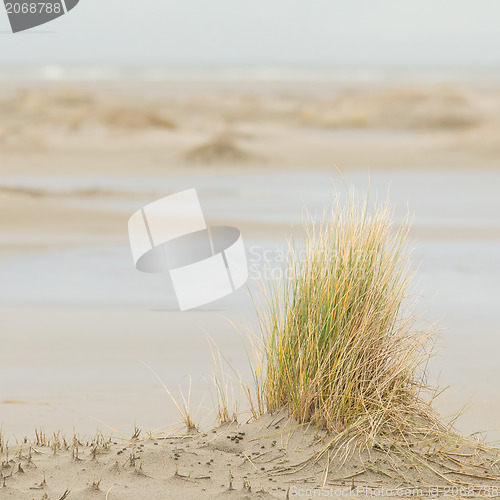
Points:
x=271 y=457
x=455 y=125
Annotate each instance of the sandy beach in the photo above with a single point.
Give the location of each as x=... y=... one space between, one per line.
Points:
x=80 y=326
x=272 y=457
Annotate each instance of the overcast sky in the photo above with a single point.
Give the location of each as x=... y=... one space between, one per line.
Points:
x=429 y=33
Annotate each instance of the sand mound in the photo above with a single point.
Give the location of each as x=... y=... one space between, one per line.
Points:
x=135 y=119
x=403 y=108
x=221 y=149
x=420 y=109
x=268 y=458
x=72 y=109
x=32 y=102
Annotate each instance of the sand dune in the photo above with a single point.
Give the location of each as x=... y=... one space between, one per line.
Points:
x=339 y=125
x=399 y=109
x=270 y=458
x=221 y=149
x=73 y=109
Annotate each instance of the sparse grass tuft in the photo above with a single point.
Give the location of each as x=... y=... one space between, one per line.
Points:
x=182 y=409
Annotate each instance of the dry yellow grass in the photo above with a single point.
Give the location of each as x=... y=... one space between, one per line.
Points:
x=340 y=343
x=341 y=350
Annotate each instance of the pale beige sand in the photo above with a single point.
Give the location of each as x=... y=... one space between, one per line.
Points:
x=71 y=162
x=271 y=457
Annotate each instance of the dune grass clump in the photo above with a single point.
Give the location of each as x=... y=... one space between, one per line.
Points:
x=340 y=347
